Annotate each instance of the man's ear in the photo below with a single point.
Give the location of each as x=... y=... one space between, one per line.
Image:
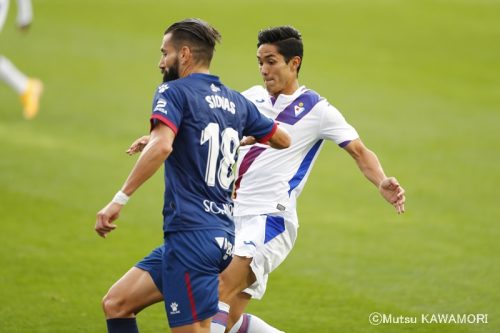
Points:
x=185 y=54
x=296 y=62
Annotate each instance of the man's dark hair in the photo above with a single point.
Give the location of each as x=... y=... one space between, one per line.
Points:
x=287 y=39
x=198 y=35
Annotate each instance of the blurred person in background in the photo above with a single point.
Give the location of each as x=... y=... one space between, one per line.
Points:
x=29 y=89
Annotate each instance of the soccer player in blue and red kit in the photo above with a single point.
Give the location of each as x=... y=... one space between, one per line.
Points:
x=196 y=126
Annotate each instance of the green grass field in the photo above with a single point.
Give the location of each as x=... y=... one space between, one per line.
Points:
x=420 y=80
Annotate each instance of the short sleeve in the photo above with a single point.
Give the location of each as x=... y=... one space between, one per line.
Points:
x=167 y=107
x=333 y=126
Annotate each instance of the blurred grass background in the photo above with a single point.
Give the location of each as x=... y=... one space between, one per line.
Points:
x=420 y=80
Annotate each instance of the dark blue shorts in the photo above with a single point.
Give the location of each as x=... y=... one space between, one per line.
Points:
x=152 y=264
x=186 y=270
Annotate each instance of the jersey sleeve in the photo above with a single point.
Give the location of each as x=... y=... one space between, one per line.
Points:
x=167 y=107
x=333 y=126
x=258 y=125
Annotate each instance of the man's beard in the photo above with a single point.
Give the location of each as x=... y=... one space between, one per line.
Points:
x=172 y=73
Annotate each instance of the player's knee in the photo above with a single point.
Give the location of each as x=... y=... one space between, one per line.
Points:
x=115 y=306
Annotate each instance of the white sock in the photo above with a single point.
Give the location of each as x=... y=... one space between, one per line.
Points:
x=4 y=8
x=24 y=12
x=252 y=324
x=12 y=76
x=219 y=321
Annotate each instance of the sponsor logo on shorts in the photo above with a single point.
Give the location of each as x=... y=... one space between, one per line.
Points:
x=174 y=306
x=226 y=245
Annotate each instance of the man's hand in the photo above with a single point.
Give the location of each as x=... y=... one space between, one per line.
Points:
x=280 y=140
x=138 y=145
x=247 y=141
x=105 y=217
x=392 y=192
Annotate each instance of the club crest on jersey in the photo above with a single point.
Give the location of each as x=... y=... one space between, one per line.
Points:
x=160 y=106
x=220 y=102
x=163 y=87
x=214 y=88
x=299 y=109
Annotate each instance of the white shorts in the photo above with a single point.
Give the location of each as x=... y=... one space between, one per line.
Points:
x=268 y=239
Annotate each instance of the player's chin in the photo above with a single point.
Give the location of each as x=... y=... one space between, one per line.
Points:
x=270 y=87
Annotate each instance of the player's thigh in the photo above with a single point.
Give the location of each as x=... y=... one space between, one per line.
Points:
x=152 y=263
x=236 y=277
x=198 y=327
x=133 y=292
x=192 y=261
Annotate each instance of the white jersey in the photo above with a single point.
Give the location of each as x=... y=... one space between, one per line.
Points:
x=270 y=180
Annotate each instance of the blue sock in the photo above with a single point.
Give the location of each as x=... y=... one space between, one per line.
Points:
x=122 y=325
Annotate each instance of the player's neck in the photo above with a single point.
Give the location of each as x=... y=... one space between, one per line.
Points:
x=194 y=68
x=290 y=89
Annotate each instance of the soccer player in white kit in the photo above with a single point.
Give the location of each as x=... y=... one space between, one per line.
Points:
x=269 y=182
x=29 y=89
